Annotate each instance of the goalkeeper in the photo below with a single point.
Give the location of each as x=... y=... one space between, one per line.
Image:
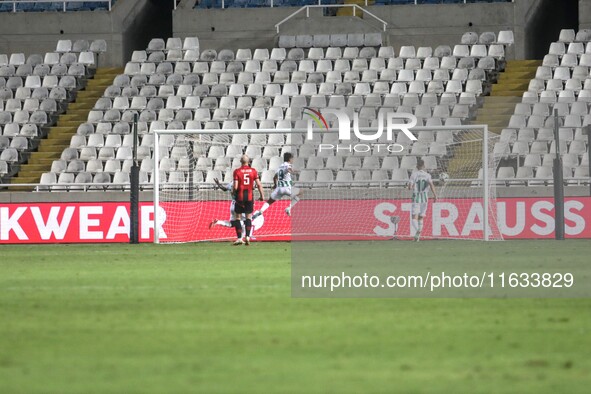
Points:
x=419 y=180
x=256 y=223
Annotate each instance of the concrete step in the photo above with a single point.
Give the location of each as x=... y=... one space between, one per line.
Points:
x=109 y=71
x=497 y=107
x=70 y=123
x=523 y=63
x=91 y=91
x=58 y=132
x=32 y=168
x=510 y=93
x=89 y=95
x=501 y=100
x=100 y=77
x=516 y=70
x=492 y=118
x=77 y=112
x=510 y=86
x=99 y=88
x=80 y=117
x=42 y=159
x=58 y=142
x=50 y=149
x=520 y=76
x=495 y=112
x=29 y=177
x=81 y=104
x=47 y=155
x=24 y=179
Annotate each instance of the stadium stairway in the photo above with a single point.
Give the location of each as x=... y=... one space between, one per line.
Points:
x=496 y=110
x=512 y=83
x=59 y=136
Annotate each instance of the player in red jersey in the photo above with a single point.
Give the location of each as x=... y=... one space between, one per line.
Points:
x=245 y=178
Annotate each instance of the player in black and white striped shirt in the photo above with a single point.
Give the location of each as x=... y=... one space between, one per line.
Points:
x=419 y=181
x=283 y=186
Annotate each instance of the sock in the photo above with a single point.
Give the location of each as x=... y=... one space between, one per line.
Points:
x=238 y=227
x=420 y=225
x=264 y=207
x=225 y=223
x=294 y=201
x=248 y=226
x=415 y=225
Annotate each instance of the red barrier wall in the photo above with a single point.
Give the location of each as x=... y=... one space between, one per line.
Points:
x=109 y=221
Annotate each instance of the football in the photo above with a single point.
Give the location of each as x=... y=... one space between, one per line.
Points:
x=443 y=177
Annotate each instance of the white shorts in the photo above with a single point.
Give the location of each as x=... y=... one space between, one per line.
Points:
x=287 y=191
x=419 y=209
x=232 y=209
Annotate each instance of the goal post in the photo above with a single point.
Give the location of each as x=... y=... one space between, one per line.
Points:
x=485 y=182
x=351 y=189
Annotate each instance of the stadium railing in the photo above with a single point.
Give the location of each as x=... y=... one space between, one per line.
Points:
x=356 y=8
x=299 y=3
x=54 y=5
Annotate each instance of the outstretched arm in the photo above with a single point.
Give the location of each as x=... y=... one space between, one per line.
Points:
x=432 y=187
x=219 y=185
x=275 y=181
x=260 y=188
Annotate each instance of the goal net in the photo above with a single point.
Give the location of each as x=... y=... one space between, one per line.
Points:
x=350 y=190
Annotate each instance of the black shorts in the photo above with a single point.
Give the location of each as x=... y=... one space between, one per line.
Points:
x=245 y=207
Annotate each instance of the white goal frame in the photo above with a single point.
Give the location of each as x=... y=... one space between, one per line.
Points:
x=485 y=159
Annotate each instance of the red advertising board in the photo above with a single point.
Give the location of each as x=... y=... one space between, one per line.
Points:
x=516 y=218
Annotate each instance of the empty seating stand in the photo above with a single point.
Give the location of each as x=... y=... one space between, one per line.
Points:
x=562 y=85
x=34 y=90
x=175 y=84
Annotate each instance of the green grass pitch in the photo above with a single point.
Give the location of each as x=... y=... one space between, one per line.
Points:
x=211 y=318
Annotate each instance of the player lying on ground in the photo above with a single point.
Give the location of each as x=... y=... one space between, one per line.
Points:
x=419 y=180
x=245 y=178
x=283 y=186
x=256 y=223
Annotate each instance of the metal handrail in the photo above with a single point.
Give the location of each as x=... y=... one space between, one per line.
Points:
x=289 y=17
x=64 y=2
x=353 y=6
x=366 y=3
x=84 y=187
